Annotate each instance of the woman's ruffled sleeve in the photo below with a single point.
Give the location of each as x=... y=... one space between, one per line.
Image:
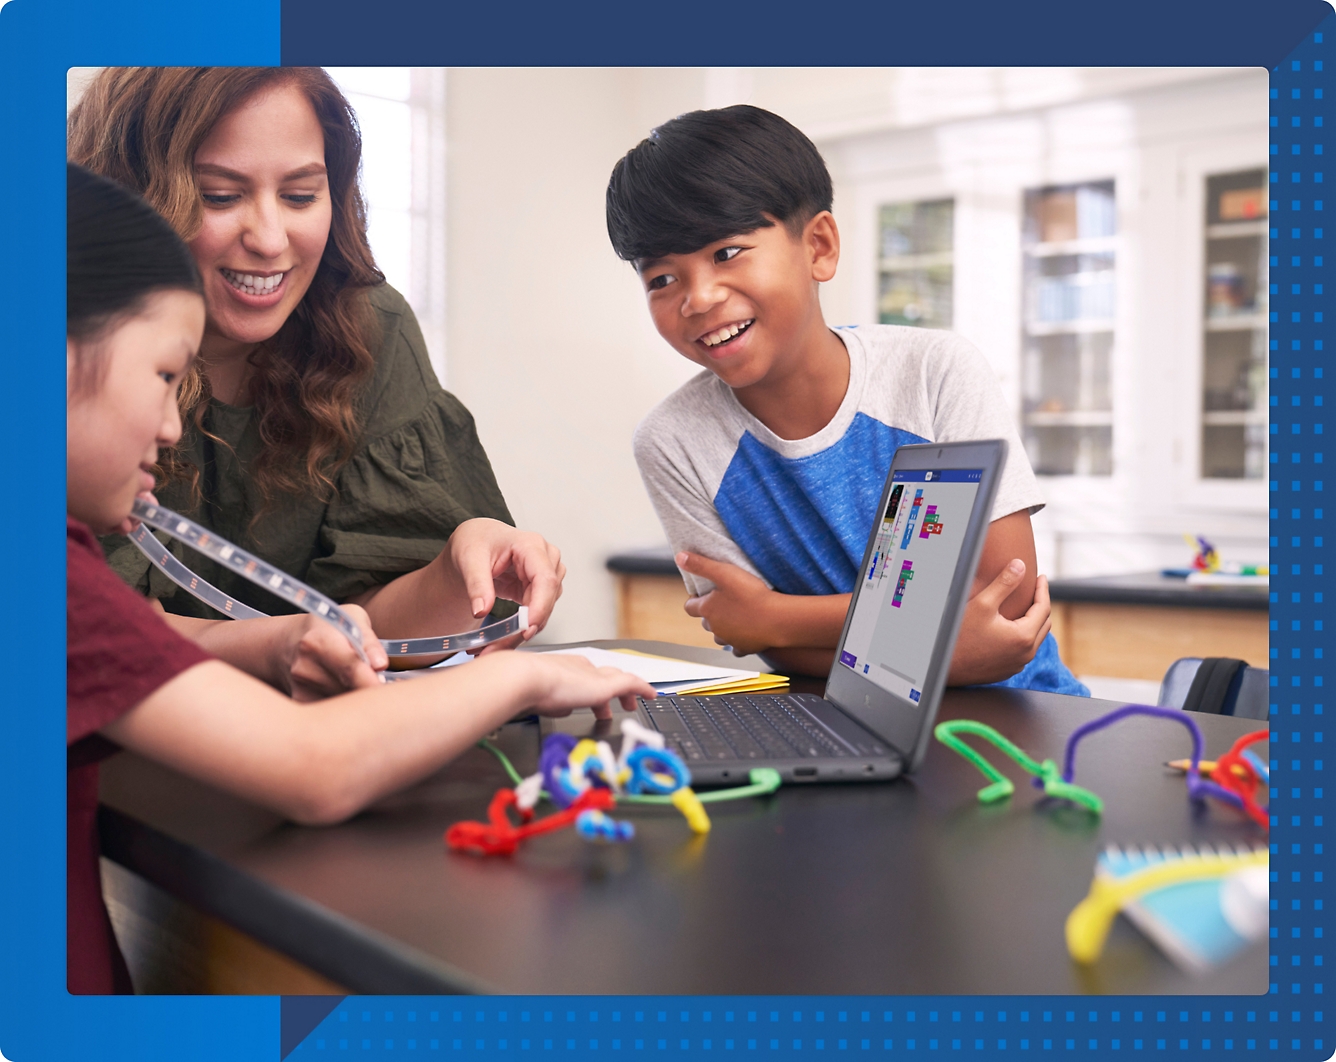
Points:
x=420 y=472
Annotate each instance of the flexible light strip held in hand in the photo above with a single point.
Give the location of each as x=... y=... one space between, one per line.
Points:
x=278 y=582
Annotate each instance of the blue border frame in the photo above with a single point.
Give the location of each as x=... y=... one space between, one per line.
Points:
x=39 y=39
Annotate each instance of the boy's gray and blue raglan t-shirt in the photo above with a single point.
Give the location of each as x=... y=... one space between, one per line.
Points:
x=797 y=512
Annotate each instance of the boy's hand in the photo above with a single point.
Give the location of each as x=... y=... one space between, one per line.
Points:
x=735 y=611
x=313 y=660
x=991 y=647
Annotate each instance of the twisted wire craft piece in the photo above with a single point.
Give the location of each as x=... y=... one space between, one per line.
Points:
x=1198 y=787
x=1046 y=773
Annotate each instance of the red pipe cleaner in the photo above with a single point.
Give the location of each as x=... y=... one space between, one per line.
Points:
x=1244 y=784
x=500 y=836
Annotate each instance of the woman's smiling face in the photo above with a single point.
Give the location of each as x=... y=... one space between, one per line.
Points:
x=261 y=174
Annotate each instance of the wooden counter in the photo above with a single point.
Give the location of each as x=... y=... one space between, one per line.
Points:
x=1122 y=626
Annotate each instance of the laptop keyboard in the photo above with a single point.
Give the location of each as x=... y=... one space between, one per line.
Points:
x=740 y=728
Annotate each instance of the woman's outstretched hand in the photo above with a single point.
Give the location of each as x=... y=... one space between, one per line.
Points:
x=491 y=559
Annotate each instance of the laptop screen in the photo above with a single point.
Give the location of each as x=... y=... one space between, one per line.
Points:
x=908 y=577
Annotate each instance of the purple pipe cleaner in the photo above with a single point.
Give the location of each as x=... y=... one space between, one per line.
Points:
x=556 y=749
x=1198 y=787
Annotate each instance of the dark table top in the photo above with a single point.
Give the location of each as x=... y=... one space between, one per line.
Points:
x=1152 y=588
x=903 y=887
x=1135 y=588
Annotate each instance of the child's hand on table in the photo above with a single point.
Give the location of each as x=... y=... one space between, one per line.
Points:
x=991 y=647
x=563 y=683
x=313 y=660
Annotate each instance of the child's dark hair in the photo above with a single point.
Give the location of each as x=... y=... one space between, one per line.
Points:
x=119 y=251
x=708 y=175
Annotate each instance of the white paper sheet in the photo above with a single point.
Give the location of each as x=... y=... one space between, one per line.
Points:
x=658 y=671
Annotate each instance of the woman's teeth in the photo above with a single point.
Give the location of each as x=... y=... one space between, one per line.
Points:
x=252 y=285
x=725 y=334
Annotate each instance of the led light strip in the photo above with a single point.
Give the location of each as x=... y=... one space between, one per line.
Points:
x=278 y=582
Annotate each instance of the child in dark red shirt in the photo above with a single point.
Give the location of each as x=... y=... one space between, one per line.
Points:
x=135 y=318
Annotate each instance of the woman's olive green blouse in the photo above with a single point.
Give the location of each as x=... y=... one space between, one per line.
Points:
x=417 y=473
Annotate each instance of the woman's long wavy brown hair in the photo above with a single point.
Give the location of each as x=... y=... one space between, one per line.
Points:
x=141 y=126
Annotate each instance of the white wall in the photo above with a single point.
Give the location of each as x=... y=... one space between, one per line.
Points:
x=549 y=342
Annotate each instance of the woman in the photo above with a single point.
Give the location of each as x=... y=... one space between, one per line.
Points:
x=316 y=433
x=135 y=318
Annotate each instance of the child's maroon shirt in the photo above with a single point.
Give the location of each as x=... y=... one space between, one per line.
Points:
x=118 y=652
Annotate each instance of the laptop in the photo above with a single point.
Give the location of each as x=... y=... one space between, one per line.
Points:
x=881 y=698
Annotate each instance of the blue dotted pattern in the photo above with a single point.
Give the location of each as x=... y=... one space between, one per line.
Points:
x=1299 y=304
x=608 y=1027
x=1287 y=1022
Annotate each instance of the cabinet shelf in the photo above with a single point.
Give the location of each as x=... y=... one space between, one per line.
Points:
x=1235 y=416
x=1086 y=245
x=1077 y=327
x=901 y=263
x=1074 y=418
x=1232 y=230
x=1243 y=322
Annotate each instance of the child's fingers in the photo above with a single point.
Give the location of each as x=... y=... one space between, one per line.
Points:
x=327 y=662
x=541 y=595
x=1041 y=591
x=694 y=564
x=992 y=595
x=375 y=652
x=474 y=563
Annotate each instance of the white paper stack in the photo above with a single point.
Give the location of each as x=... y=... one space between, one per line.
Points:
x=678 y=676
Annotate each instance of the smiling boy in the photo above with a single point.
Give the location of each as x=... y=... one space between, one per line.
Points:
x=766 y=469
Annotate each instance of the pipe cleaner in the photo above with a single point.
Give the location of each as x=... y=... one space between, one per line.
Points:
x=1235 y=771
x=1198 y=787
x=584 y=780
x=1243 y=783
x=1046 y=773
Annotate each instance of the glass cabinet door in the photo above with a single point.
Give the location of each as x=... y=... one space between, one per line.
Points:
x=1234 y=380
x=1069 y=248
x=917 y=263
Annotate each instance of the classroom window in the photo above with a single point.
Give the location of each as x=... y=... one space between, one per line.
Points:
x=401 y=112
x=1069 y=242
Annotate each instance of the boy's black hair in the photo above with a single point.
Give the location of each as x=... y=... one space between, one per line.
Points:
x=119 y=251
x=708 y=175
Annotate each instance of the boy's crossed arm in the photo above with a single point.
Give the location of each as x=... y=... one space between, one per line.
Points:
x=1007 y=616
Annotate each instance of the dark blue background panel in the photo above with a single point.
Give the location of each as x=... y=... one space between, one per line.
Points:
x=844 y=32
